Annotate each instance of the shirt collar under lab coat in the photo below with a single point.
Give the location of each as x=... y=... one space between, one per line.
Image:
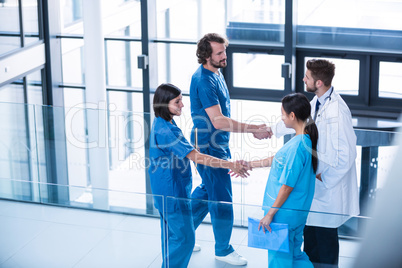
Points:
x=325 y=96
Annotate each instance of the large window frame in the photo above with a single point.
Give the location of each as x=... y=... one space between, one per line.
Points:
x=252 y=93
x=366 y=103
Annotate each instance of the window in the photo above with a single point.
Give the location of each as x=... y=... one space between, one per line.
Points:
x=30 y=18
x=390 y=80
x=72 y=57
x=263 y=71
x=363 y=25
x=189 y=19
x=9 y=26
x=176 y=64
x=121 y=64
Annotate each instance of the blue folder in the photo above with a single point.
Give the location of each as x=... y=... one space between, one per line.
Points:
x=277 y=239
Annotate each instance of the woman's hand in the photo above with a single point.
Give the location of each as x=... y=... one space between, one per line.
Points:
x=265 y=222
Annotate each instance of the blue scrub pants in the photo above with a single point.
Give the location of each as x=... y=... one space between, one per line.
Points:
x=216 y=186
x=295 y=258
x=178 y=238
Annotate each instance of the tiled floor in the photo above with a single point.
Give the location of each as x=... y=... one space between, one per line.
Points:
x=33 y=235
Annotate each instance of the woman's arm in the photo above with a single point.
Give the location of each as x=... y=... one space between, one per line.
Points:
x=283 y=195
x=211 y=161
x=267 y=162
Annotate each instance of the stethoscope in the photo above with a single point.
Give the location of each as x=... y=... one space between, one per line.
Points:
x=329 y=98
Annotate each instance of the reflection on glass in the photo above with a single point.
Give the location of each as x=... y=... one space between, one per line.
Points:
x=258 y=71
x=121 y=63
x=72 y=60
x=16 y=155
x=30 y=17
x=125 y=129
x=34 y=87
x=79 y=197
x=128 y=165
x=176 y=64
x=12 y=92
x=346 y=79
x=9 y=26
x=390 y=84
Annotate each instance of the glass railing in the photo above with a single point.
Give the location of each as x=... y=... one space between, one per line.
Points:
x=48 y=232
x=76 y=234
x=85 y=149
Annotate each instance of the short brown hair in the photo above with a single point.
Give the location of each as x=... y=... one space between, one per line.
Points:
x=323 y=70
x=204 y=49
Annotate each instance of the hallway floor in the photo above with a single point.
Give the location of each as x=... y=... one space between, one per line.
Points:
x=35 y=235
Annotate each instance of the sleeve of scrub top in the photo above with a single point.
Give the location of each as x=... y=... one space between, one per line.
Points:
x=293 y=166
x=343 y=145
x=207 y=93
x=172 y=140
x=279 y=129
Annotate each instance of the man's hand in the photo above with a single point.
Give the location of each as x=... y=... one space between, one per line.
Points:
x=240 y=168
x=318 y=177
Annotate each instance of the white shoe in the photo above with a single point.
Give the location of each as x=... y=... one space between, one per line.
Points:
x=233 y=258
x=196 y=248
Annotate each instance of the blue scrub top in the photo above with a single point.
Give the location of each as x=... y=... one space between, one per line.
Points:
x=292 y=166
x=208 y=89
x=169 y=170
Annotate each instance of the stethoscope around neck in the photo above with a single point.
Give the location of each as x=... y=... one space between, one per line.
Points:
x=329 y=98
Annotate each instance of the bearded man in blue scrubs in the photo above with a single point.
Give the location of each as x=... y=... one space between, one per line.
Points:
x=210 y=111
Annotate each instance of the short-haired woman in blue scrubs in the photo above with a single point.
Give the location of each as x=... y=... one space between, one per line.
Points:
x=291 y=181
x=170 y=174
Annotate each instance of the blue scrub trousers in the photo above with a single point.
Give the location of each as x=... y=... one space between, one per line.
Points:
x=295 y=258
x=216 y=186
x=178 y=238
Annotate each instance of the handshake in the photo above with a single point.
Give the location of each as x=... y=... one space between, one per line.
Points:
x=262 y=132
x=240 y=168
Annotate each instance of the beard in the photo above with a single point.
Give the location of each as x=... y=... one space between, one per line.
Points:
x=311 y=89
x=219 y=64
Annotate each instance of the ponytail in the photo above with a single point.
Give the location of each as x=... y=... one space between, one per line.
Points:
x=300 y=106
x=312 y=131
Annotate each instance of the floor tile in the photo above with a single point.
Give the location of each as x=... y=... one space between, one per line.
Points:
x=34 y=235
x=59 y=245
x=123 y=249
x=140 y=224
x=15 y=233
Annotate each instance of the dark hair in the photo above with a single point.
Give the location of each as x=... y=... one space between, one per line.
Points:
x=204 y=49
x=321 y=70
x=163 y=95
x=300 y=106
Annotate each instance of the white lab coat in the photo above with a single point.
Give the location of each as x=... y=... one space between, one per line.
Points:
x=337 y=195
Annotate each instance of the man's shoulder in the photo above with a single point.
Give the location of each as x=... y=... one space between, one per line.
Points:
x=203 y=79
x=341 y=104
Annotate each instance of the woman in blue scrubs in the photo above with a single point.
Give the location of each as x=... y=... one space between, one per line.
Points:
x=170 y=174
x=291 y=181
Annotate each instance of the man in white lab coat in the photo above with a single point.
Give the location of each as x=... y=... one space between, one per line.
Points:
x=336 y=189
